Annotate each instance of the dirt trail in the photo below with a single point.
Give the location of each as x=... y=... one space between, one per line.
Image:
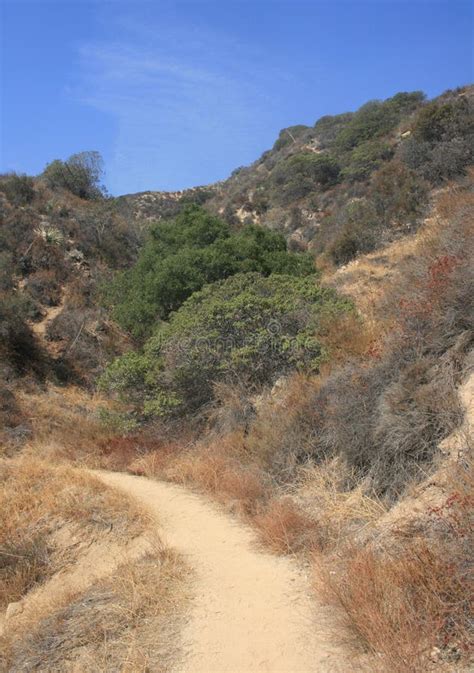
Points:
x=252 y=611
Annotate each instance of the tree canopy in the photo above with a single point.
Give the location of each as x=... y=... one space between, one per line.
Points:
x=183 y=255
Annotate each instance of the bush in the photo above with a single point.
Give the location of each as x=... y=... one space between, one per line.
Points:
x=17 y=343
x=365 y=159
x=398 y=193
x=19 y=189
x=287 y=136
x=351 y=242
x=448 y=159
x=359 y=232
x=247 y=328
x=44 y=287
x=444 y=121
x=102 y=233
x=442 y=141
x=7 y=270
x=46 y=254
x=182 y=256
x=328 y=127
x=301 y=174
x=376 y=118
x=286 y=528
x=410 y=604
x=400 y=607
x=81 y=175
x=390 y=403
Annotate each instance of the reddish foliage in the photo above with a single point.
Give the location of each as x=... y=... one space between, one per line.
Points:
x=120 y=452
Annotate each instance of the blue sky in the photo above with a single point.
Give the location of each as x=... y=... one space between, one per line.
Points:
x=175 y=94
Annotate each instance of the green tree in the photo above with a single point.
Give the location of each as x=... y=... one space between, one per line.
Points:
x=183 y=255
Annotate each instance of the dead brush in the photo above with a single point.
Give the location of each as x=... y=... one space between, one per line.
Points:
x=64 y=422
x=400 y=608
x=38 y=500
x=347 y=336
x=218 y=470
x=410 y=603
x=343 y=505
x=285 y=528
x=129 y=622
x=281 y=432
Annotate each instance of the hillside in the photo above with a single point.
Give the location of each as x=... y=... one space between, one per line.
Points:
x=347 y=184
x=294 y=344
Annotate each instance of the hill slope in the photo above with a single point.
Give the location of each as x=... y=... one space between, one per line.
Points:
x=386 y=155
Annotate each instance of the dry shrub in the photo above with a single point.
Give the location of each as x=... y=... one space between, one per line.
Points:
x=130 y=622
x=155 y=462
x=400 y=607
x=65 y=423
x=142 y=454
x=403 y=601
x=387 y=408
x=10 y=412
x=36 y=501
x=44 y=287
x=344 y=507
x=44 y=256
x=286 y=528
x=281 y=434
x=233 y=409
x=348 y=336
x=118 y=453
x=456 y=196
x=216 y=470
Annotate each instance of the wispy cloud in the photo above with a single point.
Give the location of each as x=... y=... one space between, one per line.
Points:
x=179 y=98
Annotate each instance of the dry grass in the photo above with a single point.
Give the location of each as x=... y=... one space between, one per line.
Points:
x=64 y=422
x=217 y=468
x=320 y=510
x=286 y=528
x=37 y=501
x=343 y=511
x=129 y=623
x=409 y=603
x=347 y=336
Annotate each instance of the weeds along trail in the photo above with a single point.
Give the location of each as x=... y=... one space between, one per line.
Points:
x=251 y=612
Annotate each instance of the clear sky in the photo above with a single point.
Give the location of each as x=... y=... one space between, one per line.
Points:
x=175 y=94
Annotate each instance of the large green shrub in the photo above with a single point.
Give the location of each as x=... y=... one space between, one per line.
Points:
x=444 y=121
x=248 y=328
x=181 y=256
x=328 y=127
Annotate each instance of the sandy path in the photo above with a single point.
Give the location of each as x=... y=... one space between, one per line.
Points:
x=251 y=612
